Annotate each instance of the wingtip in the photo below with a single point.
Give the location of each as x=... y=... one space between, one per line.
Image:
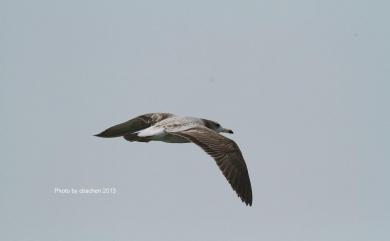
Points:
x=247 y=202
x=101 y=134
x=110 y=132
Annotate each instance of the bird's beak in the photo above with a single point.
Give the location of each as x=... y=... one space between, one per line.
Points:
x=227 y=131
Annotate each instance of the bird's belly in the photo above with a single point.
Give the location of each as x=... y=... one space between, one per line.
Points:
x=170 y=139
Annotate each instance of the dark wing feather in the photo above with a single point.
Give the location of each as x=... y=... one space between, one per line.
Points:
x=227 y=155
x=139 y=123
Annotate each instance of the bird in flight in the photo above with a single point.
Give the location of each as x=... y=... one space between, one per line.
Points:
x=171 y=128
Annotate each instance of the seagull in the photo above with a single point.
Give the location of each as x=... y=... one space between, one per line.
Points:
x=170 y=128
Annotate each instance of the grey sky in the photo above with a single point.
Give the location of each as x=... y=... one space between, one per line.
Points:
x=310 y=78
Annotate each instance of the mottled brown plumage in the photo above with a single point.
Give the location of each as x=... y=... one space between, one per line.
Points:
x=228 y=157
x=204 y=133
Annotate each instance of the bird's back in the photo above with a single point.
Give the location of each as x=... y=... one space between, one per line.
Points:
x=179 y=123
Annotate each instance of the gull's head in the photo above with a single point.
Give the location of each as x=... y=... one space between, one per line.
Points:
x=216 y=126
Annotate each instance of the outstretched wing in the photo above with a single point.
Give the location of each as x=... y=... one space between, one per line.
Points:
x=227 y=155
x=139 y=123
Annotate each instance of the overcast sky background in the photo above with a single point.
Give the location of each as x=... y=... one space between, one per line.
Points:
x=304 y=85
